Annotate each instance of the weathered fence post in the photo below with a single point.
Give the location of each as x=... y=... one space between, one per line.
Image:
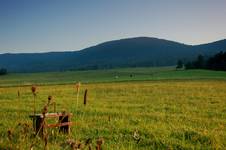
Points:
x=85 y=97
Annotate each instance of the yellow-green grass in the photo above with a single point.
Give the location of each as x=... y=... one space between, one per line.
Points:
x=181 y=114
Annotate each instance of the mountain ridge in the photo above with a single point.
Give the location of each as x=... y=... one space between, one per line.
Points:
x=129 y=52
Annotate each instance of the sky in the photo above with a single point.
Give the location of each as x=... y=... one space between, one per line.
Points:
x=28 y=26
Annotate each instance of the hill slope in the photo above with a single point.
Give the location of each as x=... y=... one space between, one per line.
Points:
x=140 y=51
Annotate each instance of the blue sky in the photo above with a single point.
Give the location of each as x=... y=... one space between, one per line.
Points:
x=59 y=25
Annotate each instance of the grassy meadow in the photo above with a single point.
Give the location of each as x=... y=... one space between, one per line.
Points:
x=111 y=75
x=161 y=109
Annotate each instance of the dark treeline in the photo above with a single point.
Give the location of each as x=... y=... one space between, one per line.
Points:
x=216 y=62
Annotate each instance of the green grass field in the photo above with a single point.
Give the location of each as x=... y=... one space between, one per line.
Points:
x=161 y=109
x=112 y=75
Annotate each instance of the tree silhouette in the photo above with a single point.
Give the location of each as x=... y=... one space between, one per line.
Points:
x=180 y=64
x=3 y=71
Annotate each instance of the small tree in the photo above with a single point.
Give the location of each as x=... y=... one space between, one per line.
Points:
x=189 y=65
x=180 y=64
x=3 y=71
x=200 y=62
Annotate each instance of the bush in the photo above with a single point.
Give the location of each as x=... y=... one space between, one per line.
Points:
x=3 y=71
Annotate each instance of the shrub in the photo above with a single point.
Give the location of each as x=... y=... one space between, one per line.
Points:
x=3 y=71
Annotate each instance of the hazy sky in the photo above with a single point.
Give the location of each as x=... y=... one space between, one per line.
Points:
x=59 y=25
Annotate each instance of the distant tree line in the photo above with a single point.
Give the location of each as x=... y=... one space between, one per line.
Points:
x=216 y=62
x=3 y=71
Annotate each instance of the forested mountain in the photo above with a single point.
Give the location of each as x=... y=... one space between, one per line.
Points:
x=132 y=52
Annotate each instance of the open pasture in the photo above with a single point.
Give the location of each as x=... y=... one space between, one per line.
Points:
x=110 y=75
x=164 y=114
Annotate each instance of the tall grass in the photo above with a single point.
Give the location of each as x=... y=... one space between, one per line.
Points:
x=143 y=115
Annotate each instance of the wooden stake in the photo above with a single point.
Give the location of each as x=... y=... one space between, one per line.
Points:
x=85 y=97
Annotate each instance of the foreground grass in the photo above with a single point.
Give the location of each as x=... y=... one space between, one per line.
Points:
x=112 y=75
x=183 y=114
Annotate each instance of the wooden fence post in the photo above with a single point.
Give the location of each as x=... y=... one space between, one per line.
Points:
x=85 y=97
